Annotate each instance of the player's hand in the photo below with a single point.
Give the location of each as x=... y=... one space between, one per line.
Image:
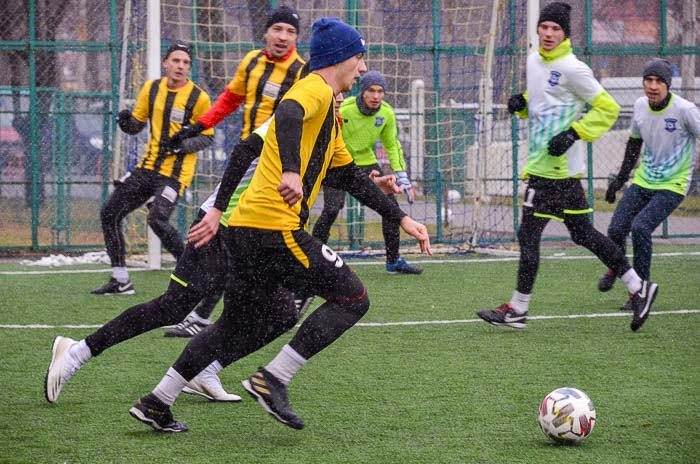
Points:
x=516 y=103
x=404 y=184
x=290 y=187
x=123 y=119
x=562 y=142
x=615 y=184
x=201 y=233
x=417 y=231
x=175 y=142
x=386 y=184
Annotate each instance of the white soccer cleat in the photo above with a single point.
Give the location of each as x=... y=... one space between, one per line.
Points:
x=209 y=386
x=61 y=369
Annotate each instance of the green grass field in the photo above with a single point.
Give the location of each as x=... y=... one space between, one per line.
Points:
x=451 y=390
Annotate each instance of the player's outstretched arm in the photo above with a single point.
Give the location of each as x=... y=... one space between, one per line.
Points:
x=417 y=231
x=201 y=233
x=386 y=184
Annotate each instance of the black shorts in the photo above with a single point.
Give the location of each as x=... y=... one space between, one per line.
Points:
x=264 y=260
x=554 y=198
x=203 y=269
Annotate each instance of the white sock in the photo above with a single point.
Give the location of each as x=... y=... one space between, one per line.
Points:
x=121 y=274
x=213 y=368
x=80 y=352
x=170 y=387
x=520 y=301
x=286 y=364
x=632 y=281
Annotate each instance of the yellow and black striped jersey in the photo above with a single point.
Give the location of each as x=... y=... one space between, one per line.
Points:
x=263 y=82
x=168 y=110
x=321 y=148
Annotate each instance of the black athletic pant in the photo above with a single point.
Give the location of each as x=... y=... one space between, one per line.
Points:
x=168 y=309
x=132 y=192
x=582 y=233
x=199 y=277
x=333 y=202
x=640 y=211
x=258 y=309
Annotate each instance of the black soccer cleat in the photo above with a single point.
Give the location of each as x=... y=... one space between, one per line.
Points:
x=607 y=281
x=114 y=287
x=504 y=315
x=187 y=328
x=629 y=305
x=152 y=411
x=302 y=305
x=271 y=394
x=641 y=302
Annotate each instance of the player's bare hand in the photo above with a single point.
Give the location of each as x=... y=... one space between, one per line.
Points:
x=290 y=187
x=201 y=233
x=417 y=231
x=386 y=184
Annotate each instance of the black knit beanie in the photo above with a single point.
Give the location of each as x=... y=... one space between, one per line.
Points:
x=660 y=68
x=557 y=12
x=283 y=14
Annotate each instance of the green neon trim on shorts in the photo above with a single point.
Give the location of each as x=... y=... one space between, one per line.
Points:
x=178 y=280
x=578 y=211
x=548 y=216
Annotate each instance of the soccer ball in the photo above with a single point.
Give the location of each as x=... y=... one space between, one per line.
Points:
x=567 y=415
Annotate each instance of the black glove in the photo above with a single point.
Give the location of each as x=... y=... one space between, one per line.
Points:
x=562 y=142
x=516 y=103
x=615 y=184
x=123 y=119
x=175 y=142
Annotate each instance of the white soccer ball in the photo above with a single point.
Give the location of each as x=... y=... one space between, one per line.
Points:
x=567 y=415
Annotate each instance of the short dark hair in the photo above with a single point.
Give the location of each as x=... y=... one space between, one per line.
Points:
x=175 y=46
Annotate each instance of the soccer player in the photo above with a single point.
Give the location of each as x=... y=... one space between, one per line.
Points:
x=668 y=126
x=260 y=82
x=199 y=272
x=558 y=88
x=164 y=172
x=366 y=119
x=270 y=247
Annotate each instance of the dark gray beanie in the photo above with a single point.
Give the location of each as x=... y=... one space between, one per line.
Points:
x=371 y=78
x=660 y=68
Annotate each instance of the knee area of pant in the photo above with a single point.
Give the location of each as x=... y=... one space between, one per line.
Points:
x=640 y=230
x=359 y=306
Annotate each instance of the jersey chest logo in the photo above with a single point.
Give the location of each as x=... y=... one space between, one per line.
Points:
x=378 y=121
x=670 y=124
x=554 y=78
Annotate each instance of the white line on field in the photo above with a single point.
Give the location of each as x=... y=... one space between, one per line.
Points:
x=388 y=324
x=354 y=263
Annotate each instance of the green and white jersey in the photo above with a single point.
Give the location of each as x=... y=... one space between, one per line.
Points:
x=669 y=137
x=360 y=133
x=242 y=185
x=558 y=87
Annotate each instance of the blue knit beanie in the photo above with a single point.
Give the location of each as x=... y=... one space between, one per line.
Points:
x=333 y=41
x=371 y=78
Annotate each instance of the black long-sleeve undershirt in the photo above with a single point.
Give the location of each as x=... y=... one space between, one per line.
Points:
x=358 y=184
x=632 y=151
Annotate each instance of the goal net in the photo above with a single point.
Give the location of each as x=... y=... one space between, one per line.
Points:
x=450 y=67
